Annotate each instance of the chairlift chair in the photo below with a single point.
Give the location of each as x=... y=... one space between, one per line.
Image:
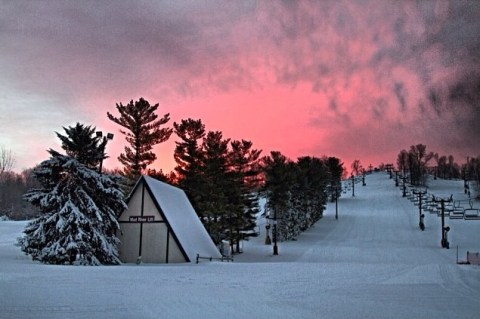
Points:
x=471 y=214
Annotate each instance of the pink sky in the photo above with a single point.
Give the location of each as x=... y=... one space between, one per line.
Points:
x=352 y=79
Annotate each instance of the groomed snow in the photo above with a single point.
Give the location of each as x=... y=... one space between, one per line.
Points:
x=373 y=262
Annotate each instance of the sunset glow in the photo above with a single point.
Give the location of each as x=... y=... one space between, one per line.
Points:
x=351 y=79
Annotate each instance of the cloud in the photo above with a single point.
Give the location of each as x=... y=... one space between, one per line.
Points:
x=457 y=103
x=367 y=65
x=399 y=90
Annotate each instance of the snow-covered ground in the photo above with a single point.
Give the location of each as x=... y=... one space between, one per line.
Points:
x=373 y=262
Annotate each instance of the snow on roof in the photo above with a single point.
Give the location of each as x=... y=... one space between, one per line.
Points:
x=183 y=219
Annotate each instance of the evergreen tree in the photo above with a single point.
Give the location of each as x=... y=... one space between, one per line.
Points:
x=167 y=178
x=297 y=192
x=79 y=209
x=310 y=190
x=81 y=143
x=218 y=188
x=245 y=171
x=278 y=171
x=335 y=172
x=217 y=180
x=143 y=131
x=189 y=156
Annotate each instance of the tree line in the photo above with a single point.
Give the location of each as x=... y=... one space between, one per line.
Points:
x=78 y=203
x=223 y=179
x=12 y=188
x=297 y=192
x=417 y=163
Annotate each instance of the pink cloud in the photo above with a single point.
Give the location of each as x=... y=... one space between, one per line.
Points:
x=356 y=78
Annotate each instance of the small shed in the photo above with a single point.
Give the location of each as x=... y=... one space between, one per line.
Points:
x=161 y=226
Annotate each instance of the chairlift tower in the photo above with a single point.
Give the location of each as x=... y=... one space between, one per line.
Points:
x=353 y=186
x=274 y=232
x=444 y=243
x=272 y=222
x=421 y=216
x=336 y=202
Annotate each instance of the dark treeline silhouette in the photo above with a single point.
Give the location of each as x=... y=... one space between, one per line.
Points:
x=221 y=178
x=446 y=167
x=12 y=188
x=417 y=163
x=414 y=161
x=297 y=192
x=471 y=172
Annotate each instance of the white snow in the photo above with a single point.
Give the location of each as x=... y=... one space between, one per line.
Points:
x=373 y=262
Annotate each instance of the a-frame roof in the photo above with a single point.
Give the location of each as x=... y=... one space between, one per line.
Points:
x=181 y=218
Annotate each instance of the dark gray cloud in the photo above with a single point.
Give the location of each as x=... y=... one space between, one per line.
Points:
x=379 y=109
x=115 y=44
x=457 y=101
x=398 y=63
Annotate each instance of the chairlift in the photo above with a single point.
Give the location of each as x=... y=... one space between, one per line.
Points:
x=471 y=214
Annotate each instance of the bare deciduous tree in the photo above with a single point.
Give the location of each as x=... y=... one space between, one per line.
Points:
x=356 y=167
x=6 y=160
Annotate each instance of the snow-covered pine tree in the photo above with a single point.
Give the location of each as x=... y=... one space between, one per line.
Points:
x=79 y=207
x=310 y=189
x=296 y=192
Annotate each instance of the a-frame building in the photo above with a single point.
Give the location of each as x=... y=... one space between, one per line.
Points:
x=161 y=226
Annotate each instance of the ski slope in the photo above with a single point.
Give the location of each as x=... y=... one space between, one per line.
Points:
x=373 y=262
